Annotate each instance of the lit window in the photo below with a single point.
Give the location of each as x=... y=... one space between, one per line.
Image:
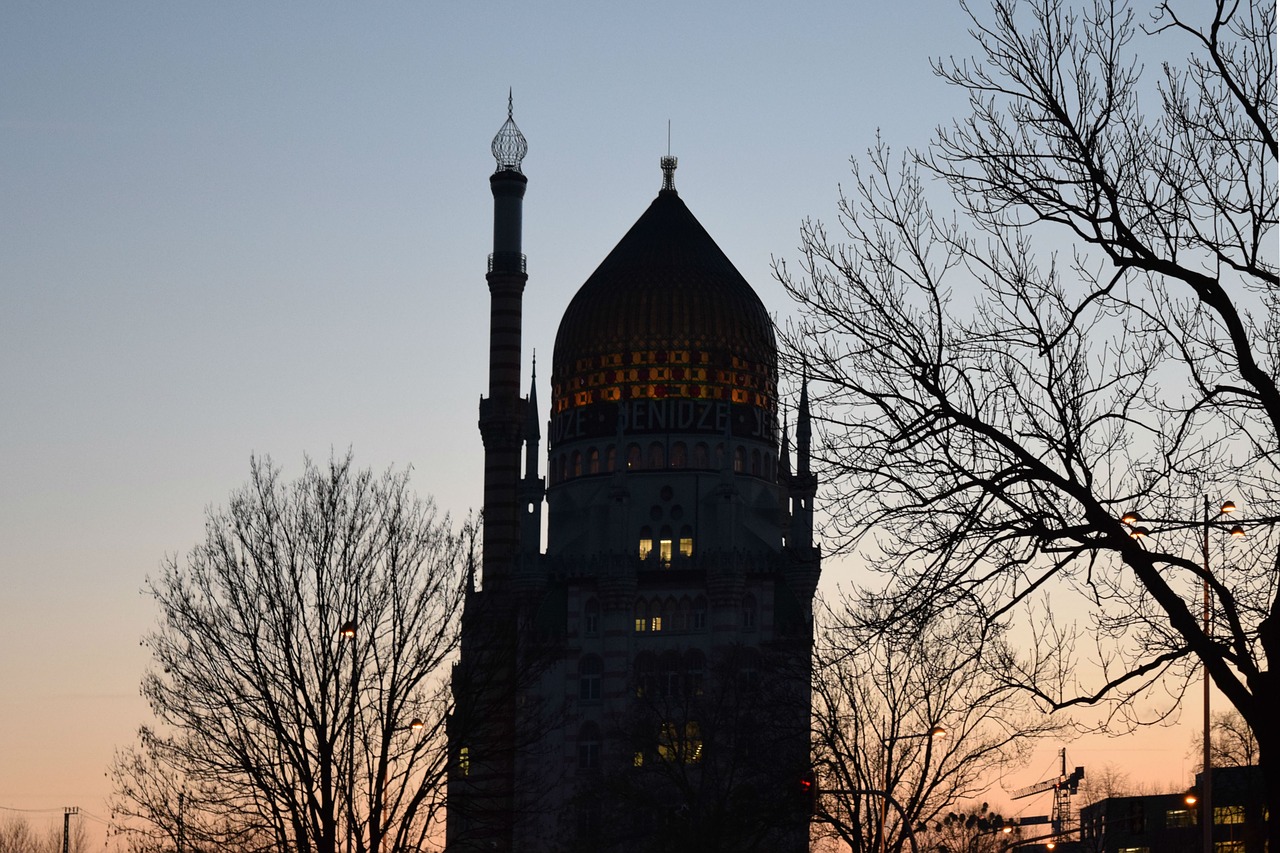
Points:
x=464 y=761
x=577 y=464
x=1228 y=814
x=642 y=617
x=686 y=541
x=1179 y=817
x=739 y=460
x=593 y=462
x=633 y=456
x=638 y=759
x=646 y=542
x=664 y=552
x=657 y=623
x=1229 y=847
x=681 y=744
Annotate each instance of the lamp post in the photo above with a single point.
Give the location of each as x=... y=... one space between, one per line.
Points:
x=348 y=633
x=934 y=732
x=1207 y=521
x=887 y=798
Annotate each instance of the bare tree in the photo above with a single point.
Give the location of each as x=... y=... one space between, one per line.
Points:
x=908 y=724
x=300 y=678
x=18 y=836
x=1105 y=782
x=991 y=412
x=1231 y=742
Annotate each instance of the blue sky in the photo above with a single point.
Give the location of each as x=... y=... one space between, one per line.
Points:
x=237 y=228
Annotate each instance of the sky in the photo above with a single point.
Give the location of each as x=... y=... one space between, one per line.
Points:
x=233 y=229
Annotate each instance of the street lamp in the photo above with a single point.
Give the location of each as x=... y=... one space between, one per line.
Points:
x=935 y=731
x=348 y=633
x=1207 y=521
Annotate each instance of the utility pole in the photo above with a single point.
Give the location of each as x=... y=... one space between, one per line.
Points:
x=66 y=826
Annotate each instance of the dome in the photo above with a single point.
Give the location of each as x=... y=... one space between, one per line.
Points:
x=665 y=316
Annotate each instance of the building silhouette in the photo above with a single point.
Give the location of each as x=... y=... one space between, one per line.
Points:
x=1168 y=823
x=642 y=682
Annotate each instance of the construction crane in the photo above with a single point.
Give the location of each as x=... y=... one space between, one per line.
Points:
x=1062 y=785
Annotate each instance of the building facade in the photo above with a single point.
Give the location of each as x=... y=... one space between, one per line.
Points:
x=1171 y=823
x=642 y=681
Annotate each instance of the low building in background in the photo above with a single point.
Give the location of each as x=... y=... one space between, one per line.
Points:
x=1167 y=823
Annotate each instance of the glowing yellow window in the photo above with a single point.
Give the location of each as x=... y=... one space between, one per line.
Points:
x=464 y=761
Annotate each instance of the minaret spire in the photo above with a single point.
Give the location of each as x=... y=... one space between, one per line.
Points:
x=668 y=164
x=502 y=411
x=532 y=487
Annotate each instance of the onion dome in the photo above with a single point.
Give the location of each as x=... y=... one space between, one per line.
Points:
x=509 y=145
x=665 y=316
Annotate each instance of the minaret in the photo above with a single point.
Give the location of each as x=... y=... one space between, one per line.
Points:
x=501 y=413
x=804 y=484
x=532 y=487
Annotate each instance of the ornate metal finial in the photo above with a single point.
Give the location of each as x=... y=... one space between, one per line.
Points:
x=509 y=146
x=668 y=164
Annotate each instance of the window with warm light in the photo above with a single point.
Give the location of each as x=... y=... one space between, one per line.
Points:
x=464 y=761
x=1179 y=817
x=1228 y=814
x=642 y=617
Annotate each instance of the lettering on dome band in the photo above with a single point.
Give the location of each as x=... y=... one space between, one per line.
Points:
x=643 y=417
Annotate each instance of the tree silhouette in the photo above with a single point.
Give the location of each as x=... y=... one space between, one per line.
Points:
x=1094 y=330
x=299 y=676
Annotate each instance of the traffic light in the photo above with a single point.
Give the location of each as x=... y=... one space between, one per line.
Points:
x=807 y=792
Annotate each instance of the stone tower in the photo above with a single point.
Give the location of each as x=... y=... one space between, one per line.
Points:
x=642 y=683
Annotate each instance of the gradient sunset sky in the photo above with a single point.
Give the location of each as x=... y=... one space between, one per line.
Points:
x=242 y=228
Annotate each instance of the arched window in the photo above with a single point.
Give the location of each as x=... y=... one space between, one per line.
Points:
x=577 y=463
x=749 y=612
x=591 y=617
x=665 y=541
x=686 y=541
x=589 y=746
x=657 y=456
x=590 y=669
x=642 y=616
x=593 y=461
x=611 y=459
x=739 y=459
x=699 y=622
x=679 y=455
x=682 y=614
x=755 y=463
x=701 y=455
x=721 y=455
x=646 y=542
x=633 y=456
x=669 y=608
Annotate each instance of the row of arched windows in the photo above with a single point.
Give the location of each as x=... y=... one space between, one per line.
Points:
x=670 y=614
x=656 y=456
x=656 y=614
